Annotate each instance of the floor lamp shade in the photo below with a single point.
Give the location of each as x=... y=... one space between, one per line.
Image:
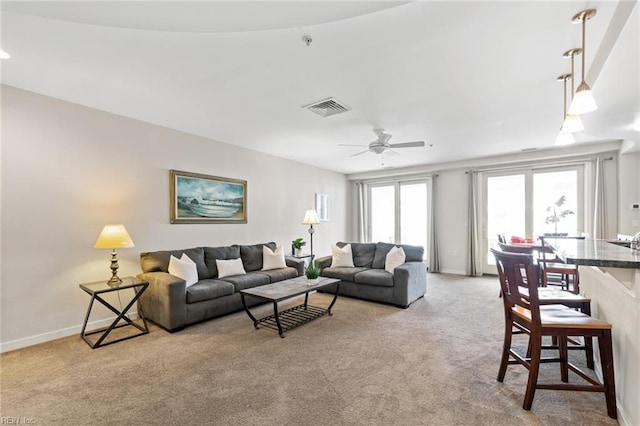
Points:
x=311 y=218
x=114 y=237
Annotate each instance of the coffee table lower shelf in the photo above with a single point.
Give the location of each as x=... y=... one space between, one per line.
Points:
x=291 y=318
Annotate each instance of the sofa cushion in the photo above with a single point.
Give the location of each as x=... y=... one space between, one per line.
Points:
x=413 y=253
x=209 y=289
x=345 y=274
x=252 y=256
x=381 y=255
x=281 y=274
x=252 y=279
x=375 y=277
x=211 y=254
x=362 y=253
x=158 y=261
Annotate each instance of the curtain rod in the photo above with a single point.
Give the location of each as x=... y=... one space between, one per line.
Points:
x=538 y=165
x=401 y=178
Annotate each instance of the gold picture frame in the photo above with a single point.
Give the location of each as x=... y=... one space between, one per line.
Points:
x=198 y=198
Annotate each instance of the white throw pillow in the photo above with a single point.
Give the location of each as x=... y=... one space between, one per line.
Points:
x=395 y=258
x=273 y=259
x=341 y=257
x=184 y=268
x=227 y=268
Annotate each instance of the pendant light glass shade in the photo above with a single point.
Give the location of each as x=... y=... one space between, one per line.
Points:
x=583 y=101
x=564 y=139
x=572 y=123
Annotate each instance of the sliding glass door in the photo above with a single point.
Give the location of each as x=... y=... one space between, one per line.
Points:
x=530 y=203
x=398 y=212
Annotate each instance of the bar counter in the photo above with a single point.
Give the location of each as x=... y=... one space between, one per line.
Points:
x=595 y=253
x=610 y=277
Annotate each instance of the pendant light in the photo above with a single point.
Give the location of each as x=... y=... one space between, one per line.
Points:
x=572 y=122
x=583 y=101
x=564 y=137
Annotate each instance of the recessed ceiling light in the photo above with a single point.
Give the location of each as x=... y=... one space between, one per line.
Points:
x=4 y=55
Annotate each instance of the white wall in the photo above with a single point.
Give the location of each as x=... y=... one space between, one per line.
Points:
x=68 y=170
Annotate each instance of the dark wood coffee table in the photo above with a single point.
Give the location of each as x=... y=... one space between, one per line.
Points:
x=283 y=290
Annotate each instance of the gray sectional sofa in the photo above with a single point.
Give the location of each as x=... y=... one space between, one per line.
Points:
x=169 y=303
x=369 y=280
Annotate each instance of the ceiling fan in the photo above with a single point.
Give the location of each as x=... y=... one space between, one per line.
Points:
x=382 y=145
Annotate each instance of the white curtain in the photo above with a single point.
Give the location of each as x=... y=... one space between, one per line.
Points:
x=361 y=216
x=599 y=211
x=474 y=253
x=434 y=254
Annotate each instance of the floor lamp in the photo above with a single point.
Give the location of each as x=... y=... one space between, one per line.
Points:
x=311 y=218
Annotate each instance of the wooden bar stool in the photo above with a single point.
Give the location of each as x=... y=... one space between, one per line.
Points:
x=552 y=296
x=550 y=264
x=526 y=313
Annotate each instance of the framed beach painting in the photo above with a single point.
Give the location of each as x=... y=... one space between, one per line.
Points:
x=197 y=198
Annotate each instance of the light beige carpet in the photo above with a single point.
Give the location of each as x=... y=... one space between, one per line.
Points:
x=368 y=364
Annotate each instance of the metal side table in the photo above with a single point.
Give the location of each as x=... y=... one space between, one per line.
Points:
x=97 y=290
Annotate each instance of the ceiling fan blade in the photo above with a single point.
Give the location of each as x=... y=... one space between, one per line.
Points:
x=415 y=144
x=360 y=153
x=346 y=144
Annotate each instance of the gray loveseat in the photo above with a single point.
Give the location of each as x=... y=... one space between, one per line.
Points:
x=369 y=280
x=169 y=303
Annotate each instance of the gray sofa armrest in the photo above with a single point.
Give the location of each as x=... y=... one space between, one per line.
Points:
x=410 y=282
x=323 y=262
x=165 y=300
x=294 y=262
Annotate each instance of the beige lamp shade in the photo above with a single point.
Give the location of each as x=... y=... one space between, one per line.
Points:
x=113 y=237
x=310 y=218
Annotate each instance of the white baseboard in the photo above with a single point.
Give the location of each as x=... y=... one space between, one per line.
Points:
x=57 y=334
x=453 y=272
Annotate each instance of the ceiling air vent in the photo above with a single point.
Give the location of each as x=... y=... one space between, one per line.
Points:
x=327 y=107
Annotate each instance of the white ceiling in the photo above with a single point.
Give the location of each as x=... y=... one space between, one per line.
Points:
x=472 y=78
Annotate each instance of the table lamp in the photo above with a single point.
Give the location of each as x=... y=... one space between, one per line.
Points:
x=311 y=218
x=113 y=237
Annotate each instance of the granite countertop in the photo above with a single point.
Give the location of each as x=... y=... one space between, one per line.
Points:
x=595 y=253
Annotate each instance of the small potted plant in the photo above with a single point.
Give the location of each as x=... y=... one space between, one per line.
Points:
x=556 y=214
x=296 y=246
x=313 y=273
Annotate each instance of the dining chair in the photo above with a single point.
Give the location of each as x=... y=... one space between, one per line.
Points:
x=526 y=312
